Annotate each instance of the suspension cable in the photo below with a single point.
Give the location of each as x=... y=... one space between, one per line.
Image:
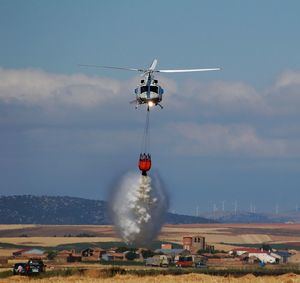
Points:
x=145 y=145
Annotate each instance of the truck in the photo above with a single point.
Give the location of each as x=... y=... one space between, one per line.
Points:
x=185 y=261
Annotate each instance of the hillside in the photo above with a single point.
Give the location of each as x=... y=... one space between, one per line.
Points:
x=249 y=217
x=28 y=209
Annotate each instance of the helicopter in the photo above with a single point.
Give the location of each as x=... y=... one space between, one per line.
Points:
x=148 y=91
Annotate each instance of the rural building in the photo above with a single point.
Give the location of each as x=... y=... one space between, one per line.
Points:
x=240 y=251
x=253 y=255
x=67 y=256
x=92 y=254
x=113 y=256
x=284 y=254
x=62 y=256
x=30 y=253
x=172 y=252
x=193 y=243
x=264 y=257
x=166 y=246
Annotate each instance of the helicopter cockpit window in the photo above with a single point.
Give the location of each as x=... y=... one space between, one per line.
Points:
x=152 y=88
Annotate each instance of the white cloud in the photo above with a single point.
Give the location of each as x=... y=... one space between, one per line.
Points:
x=284 y=95
x=288 y=78
x=228 y=140
x=36 y=87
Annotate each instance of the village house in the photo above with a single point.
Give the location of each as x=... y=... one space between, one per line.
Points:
x=92 y=254
x=68 y=256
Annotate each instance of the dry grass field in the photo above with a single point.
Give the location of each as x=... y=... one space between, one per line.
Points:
x=287 y=278
x=54 y=241
x=223 y=235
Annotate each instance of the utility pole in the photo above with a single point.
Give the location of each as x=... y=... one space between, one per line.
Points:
x=197 y=210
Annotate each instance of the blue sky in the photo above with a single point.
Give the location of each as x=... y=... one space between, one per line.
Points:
x=230 y=135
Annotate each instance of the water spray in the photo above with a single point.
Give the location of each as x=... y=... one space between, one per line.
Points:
x=138 y=206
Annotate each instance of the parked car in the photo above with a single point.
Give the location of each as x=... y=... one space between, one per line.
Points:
x=33 y=266
x=20 y=268
x=200 y=264
x=36 y=266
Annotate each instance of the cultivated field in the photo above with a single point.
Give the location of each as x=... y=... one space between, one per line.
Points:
x=221 y=235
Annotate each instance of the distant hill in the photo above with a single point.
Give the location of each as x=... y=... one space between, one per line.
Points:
x=249 y=217
x=172 y=218
x=29 y=209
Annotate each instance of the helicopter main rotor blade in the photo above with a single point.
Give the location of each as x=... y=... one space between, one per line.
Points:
x=111 y=67
x=188 y=70
x=153 y=65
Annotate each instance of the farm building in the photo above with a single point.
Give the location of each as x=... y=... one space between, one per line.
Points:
x=264 y=257
x=252 y=255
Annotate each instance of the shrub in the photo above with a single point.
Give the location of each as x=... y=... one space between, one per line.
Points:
x=147 y=253
x=51 y=254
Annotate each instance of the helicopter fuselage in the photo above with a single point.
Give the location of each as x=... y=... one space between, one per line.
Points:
x=149 y=91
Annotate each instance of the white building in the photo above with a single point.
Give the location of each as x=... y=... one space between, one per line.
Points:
x=264 y=257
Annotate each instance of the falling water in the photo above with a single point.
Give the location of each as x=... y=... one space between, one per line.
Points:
x=138 y=206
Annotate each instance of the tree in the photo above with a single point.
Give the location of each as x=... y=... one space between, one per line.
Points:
x=266 y=247
x=147 y=253
x=130 y=255
x=122 y=249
